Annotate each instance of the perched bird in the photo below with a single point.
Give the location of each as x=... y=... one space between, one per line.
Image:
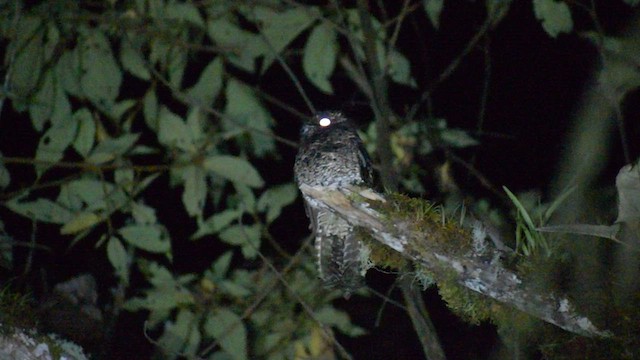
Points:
x=332 y=155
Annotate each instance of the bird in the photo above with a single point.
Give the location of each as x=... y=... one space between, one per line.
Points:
x=332 y=155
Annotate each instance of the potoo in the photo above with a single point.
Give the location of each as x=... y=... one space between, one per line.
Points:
x=332 y=155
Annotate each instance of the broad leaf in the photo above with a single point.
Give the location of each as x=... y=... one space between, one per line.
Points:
x=399 y=68
x=85 y=138
x=101 y=77
x=281 y=28
x=244 y=46
x=132 y=60
x=234 y=169
x=53 y=144
x=555 y=16
x=117 y=255
x=112 y=148
x=143 y=214
x=320 y=53
x=195 y=190
x=247 y=237
x=5 y=177
x=433 y=8
x=217 y=222
x=229 y=330
x=275 y=198
x=151 y=110
x=176 y=334
x=209 y=84
x=246 y=113
x=146 y=237
x=628 y=187
x=173 y=132
x=43 y=210
x=29 y=55
x=80 y=222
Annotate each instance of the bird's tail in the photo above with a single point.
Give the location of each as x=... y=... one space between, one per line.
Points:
x=339 y=263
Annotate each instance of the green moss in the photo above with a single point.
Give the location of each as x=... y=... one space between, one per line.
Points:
x=382 y=256
x=422 y=217
x=16 y=310
x=466 y=304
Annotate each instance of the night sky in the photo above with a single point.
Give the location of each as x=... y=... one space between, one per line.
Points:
x=535 y=87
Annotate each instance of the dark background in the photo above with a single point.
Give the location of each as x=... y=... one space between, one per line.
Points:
x=534 y=90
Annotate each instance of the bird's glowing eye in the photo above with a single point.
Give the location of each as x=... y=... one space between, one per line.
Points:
x=324 y=122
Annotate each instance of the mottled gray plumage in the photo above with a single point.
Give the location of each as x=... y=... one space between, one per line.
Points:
x=332 y=155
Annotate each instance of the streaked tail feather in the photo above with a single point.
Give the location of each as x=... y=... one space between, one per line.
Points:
x=339 y=261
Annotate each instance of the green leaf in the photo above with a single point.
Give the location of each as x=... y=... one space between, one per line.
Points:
x=399 y=68
x=457 y=138
x=209 y=84
x=217 y=222
x=51 y=41
x=195 y=190
x=147 y=237
x=42 y=104
x=29 y=56
x=5 y=177
x=521 y=209
x=604 y=231
x=85 y=137
x=186 y=12
x=229 y=330
x=245 y=198
x=118 y=110
x=276 y=198
x=176 y=65
x=90 y=194
x=632 y=2
x=221 y=265
x=117 y=255
x=125 y=179
x=246 y=46
x=101 y=75
x=62 y=107
x=173 y=131
x=43 y=210
x=234 y=289
x=331 y=316
x=195 y=119
x=53 y=144
x=234 y=169
x=69 y=72
x=151 y=110
x=80 y=222
x=112 y=148
x=320 y=54
x=555 y=16
x=132 y=61
x=244 y=111
x=247 y=237
x=433 y=8
x=143 y=214
x=281 y=28
x=176 y=334
x=628 y=188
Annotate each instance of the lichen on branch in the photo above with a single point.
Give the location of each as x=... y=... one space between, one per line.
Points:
x=448 y=252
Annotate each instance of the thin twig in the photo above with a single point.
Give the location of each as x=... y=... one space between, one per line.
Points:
x=12 y=51
x=489 y=23
x=421 y=320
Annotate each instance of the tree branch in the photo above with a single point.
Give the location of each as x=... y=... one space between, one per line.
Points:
x=476 y=268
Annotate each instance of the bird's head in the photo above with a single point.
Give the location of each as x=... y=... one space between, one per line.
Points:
x=321 y=122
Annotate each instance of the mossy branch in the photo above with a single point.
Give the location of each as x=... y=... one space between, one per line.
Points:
x=445 y=250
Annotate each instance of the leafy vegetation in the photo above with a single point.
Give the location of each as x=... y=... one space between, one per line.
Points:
x=130 y=102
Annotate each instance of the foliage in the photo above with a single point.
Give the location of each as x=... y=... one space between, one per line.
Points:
x=135 y=98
